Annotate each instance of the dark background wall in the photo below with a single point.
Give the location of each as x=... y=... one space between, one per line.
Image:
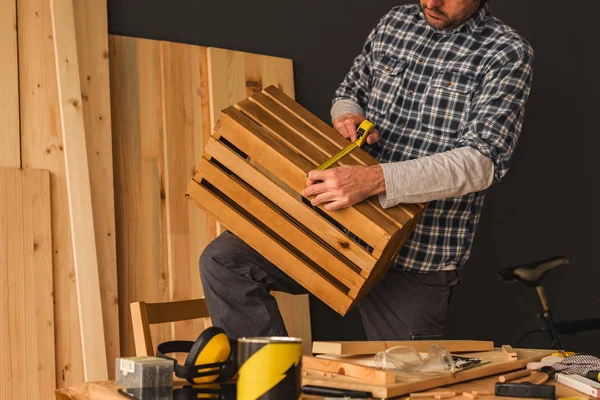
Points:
x=544 y=207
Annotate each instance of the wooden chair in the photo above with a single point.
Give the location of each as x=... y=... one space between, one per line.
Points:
x=294 y=311
x=145 y=314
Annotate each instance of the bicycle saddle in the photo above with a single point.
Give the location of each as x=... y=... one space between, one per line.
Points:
x=531 y=274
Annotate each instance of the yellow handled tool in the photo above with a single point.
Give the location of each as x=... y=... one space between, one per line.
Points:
x=362 y=132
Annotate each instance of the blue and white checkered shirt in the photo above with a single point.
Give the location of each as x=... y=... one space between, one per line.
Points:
x=430 y=91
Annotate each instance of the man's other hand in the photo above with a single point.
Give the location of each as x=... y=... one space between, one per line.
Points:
x=344 y=186
x=346 y=125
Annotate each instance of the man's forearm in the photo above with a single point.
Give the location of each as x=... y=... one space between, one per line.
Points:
x=449 y=174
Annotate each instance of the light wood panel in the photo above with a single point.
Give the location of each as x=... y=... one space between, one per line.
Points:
x=10 y=142
x=161 y=123
x=295 y=312
x=79 y=191
x=92 y=50
x=42 y=148
x=27 y=366
x=372 y=347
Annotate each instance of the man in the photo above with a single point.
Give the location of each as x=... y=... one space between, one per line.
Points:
x=445 y=84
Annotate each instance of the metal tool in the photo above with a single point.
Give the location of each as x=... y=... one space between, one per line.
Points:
x=362 y=132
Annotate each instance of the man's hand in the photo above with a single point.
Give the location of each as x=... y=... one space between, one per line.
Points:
x=346 y=126
x=344 y=186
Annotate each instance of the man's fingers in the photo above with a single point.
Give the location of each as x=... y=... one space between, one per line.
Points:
x=373 y=137
x=351 y=129
x=317 y=175
x=323 y=198
x=335 y=205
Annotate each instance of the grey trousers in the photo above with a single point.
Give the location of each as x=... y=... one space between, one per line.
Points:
x=237 y=283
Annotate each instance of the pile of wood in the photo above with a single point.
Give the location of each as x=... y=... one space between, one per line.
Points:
x=99 y=137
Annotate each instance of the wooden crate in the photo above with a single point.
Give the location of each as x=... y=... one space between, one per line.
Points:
x=250 y=178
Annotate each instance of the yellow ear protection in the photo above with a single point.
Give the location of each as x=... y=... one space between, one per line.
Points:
x=210 y=358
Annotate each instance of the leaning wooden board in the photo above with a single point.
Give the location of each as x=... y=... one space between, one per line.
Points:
x=497 y=365
x=91 y=24
x=161 y=121
x=27 y=366
x=251 y=176
x=10 y=141
x=79 y=192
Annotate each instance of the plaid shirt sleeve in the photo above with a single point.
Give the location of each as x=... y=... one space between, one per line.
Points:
x=498 y=107
x=357 y=82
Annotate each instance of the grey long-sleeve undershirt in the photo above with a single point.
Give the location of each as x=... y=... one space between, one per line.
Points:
x=449 y=174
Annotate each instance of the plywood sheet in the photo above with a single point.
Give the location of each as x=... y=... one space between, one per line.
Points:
x=27 y=366
x=10 y=142
x=42 y=148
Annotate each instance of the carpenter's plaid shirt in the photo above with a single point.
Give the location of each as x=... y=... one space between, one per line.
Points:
x=430 y=91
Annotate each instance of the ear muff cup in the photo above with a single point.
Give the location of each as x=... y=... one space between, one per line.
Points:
x=210 y=358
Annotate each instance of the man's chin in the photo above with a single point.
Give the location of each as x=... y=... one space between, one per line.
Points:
x=436 y=23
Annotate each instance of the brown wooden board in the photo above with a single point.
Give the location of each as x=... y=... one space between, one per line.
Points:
x=497 y=365
x=267 y=148
x=27 y=365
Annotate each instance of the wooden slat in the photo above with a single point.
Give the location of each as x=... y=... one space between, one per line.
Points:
x=92 y=50
x=284 y=228
x=159 y=313
x=270 y=249
x=455 y=346
x=185 y=113
x=78 y=187
x=292 y=169
x=139 y=170
x=349 y=369
x=291 y=205
x=27 y=365
x=42 y=148
x=497 y=365
x=10 y=141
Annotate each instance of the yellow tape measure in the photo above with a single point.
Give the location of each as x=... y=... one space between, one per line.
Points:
x=362 y=132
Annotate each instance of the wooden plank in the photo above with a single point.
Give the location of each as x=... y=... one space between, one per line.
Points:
x=10 y=140
x=185 y=112
x=372 y=347
x=92 y=50
x=290 y=204
x=137 y=118
x=42 y=148
x=27 y=365
x=284 y=228
x=295 y=311
x=497 y=365
x=292 y=169
x=270 y=249
x=349 y=369
x=79 y=192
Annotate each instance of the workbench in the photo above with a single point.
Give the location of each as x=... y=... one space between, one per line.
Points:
x=108 y=390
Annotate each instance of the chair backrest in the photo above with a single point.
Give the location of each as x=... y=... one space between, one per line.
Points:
x=145 y=314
